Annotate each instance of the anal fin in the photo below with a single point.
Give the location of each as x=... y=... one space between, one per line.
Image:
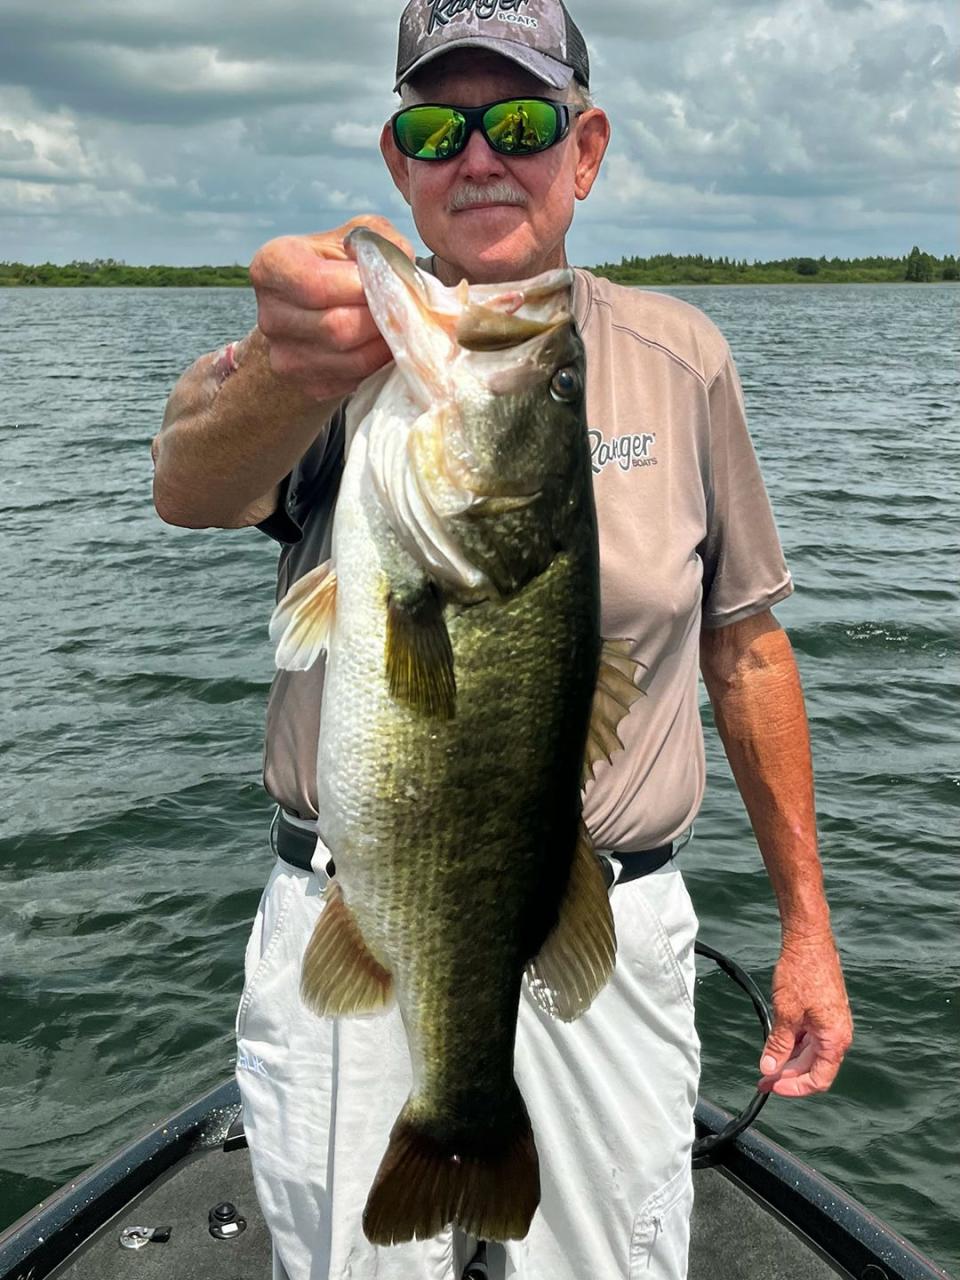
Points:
x=303 y=620
x=339 y=974
x=578 y=956
x=615 y=694
x=419 y=655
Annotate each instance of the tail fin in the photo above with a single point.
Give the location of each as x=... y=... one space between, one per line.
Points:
x=424 y=1184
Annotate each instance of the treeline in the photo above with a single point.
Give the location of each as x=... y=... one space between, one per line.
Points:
x=107 y=272
x=664 y=268
x=669 y=268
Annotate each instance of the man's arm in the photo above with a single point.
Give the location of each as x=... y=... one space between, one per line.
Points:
x=237 y=423
x=231 y=431
x=752 y=679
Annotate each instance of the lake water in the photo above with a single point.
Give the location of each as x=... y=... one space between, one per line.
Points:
x=136 y=666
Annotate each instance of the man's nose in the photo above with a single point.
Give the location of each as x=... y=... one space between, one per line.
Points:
x=479 y=162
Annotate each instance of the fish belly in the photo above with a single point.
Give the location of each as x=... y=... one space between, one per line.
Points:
x=453 y=840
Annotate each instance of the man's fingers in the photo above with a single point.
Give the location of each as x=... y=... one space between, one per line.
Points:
x=314 y=271
x=797 y=1065
x=811 y=1068
x=312 y=310
x=334 y=330
x=382 y=226
x=287 y=269
x=329 y=244
x=817 y=1080
x=779 y=1046
x=298 y=360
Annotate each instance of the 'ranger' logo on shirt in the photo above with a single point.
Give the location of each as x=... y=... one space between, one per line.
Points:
x=625 y=451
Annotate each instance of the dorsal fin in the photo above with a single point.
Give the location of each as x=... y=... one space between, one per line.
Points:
x=615 y=694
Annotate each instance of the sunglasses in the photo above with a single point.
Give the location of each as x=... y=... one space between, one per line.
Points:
x=513 y=126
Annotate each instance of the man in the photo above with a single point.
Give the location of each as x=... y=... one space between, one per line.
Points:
x=690 y=565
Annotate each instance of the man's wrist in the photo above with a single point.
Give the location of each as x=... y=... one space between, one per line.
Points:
x=246 y=364
x=809 y=928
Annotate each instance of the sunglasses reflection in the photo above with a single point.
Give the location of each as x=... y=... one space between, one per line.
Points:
x=446 y=140
x=515 y=131
x=514 y=127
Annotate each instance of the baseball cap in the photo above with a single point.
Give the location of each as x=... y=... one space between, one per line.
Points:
x=539 y=35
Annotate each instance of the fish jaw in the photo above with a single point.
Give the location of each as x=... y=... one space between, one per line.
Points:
x=475 y=433
x=403 y=306
x=428 y=325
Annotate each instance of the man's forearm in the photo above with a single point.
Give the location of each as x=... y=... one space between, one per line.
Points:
x=754 y=685
x=227 y=441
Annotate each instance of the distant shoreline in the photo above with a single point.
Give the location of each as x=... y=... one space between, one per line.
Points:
x=647 y=283
x=637 y=284
x=664 y=269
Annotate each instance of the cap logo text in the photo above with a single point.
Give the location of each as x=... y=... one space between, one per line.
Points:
x=442 y=11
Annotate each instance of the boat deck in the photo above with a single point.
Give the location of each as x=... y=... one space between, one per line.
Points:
x=760 y=1214
x=733 y=1238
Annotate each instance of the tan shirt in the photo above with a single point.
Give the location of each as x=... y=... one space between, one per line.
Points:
x=687 y=539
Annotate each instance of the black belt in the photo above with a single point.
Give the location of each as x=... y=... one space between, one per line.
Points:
x=635 y=865
x=295 y=845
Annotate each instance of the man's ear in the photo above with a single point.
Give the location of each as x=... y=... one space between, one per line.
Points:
x=396 y=161
x=593 y=134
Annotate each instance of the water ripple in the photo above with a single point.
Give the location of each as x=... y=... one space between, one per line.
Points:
x=133 y=836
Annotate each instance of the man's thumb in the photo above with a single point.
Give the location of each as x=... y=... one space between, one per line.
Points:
x=778 y=1048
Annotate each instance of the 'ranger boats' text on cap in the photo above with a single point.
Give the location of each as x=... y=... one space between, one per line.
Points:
x=538 y=34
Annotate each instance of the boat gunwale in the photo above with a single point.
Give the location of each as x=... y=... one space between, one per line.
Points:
x=838 y=1226
x=46 y=1236
x=834 y=1224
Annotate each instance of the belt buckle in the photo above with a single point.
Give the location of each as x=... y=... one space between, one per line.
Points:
x=611 y=866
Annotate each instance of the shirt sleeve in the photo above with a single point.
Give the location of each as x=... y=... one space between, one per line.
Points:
x=744 y=571
x=316 y=476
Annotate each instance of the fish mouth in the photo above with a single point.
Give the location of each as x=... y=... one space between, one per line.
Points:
x=434 y=458
x=427 y=325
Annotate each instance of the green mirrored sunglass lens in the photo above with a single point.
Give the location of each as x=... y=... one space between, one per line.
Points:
x=523 y=125
x=430 y=133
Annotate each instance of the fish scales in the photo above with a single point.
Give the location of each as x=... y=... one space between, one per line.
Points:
x=427 y=820
x=460 y=616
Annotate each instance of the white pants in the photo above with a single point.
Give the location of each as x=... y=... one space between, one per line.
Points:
x=610 y=1098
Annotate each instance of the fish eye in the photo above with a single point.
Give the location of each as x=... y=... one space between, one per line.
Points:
x=565 y=385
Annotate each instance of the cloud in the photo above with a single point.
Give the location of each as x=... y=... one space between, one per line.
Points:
x=181 y=132
x=186 y=62
x=789 y=124
x=13 y=147
x=348 y=133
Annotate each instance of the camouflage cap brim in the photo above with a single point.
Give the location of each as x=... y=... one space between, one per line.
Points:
x=547 y=69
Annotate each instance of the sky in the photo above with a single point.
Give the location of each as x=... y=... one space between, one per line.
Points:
x=192 y=131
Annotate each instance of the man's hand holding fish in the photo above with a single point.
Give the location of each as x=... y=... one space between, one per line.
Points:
x=518 y=513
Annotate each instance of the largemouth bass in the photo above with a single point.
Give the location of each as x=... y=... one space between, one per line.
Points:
x=460 y=616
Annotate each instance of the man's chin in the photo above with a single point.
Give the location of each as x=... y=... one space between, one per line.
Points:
x=491 y=245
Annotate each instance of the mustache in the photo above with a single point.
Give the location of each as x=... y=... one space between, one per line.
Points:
x=498 y=193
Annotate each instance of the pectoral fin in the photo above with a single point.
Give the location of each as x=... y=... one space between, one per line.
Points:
x=303 y=620
x=419 y=656
x=578 y=956
x=339 y=974
x=615 y=694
